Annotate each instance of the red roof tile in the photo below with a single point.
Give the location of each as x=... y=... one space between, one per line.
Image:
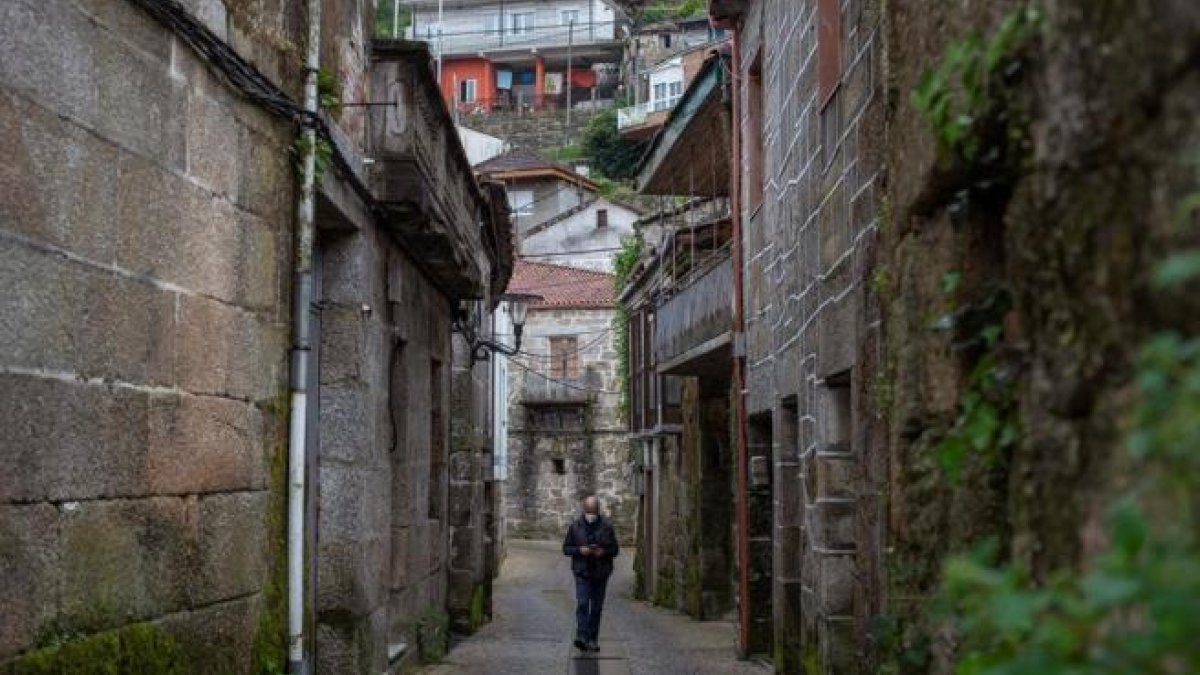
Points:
x=563 y=287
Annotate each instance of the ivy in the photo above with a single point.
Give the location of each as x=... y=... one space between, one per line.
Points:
x=323 y=155
x=967 y=91
x=623 y=264
x=329 y=92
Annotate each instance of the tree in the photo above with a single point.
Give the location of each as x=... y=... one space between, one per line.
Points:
x=612 y=156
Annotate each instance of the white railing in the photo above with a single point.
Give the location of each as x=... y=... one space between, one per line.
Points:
x=633 y=115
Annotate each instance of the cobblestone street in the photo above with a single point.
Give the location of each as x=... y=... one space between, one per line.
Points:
x=534 y=620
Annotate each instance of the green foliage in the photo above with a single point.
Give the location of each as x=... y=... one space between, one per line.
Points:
x=612 y=156
x=323 y=156
x=329 y=92
x=623 y=264
x=564 y=153
x=432 y=631
x=966 y=91
x=385 y=17
x=136 y=649
x=665 y=10
x=1136 y=607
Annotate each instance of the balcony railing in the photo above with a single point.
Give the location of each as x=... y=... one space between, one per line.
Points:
x=550 y=389
x=471 y=42
x=633 y=115
x=699 y=314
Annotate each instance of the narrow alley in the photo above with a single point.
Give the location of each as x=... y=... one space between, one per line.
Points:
x=824 y=337
x=534 y=617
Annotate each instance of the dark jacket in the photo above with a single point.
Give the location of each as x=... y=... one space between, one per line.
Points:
x=599 y=533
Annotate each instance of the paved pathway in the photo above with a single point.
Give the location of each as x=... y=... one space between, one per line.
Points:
x=534 y=616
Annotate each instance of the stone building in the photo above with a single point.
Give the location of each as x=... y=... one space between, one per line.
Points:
x=886 y=263
x=147 y=237
x=678 y=300
x=565 y=435
x=560 y=216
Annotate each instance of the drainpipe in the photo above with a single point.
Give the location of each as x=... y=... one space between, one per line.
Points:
x=739 y=358
x=301 y=350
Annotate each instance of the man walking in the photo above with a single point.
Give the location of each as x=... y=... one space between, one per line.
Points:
x=592 y=546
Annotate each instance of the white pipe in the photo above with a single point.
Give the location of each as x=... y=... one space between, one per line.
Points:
x=301 y=349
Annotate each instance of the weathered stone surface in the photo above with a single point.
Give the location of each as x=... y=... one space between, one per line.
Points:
x=57 y=185
x=226 y=351
x=30 y=557
x=219 y=638
x=67 y=316
x=70 y=441
x=33 y=61
x=231 y=530
x=127 y=558
x=155 y=127
x=203 y=444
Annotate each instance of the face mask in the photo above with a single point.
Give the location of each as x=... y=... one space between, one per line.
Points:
x=590 y=517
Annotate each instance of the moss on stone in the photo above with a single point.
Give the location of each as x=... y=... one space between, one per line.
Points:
x=271 y=639
x=476 y=614
x=432 y=630
x=664 y=593
x=136 y=649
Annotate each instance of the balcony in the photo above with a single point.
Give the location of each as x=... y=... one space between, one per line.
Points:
x=692 y=329
x=587 y=40
x=641 y=121
x=544 y=390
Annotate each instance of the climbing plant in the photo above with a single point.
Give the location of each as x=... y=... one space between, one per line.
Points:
x=623 y=264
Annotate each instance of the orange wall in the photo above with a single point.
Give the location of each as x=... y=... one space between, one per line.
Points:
x=477 y=69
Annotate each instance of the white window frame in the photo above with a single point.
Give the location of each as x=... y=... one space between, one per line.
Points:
x=565 y=17
x=471 y=87
x=491 y=24
x=522 y=27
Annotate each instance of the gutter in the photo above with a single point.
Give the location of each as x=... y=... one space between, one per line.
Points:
x=302 y=297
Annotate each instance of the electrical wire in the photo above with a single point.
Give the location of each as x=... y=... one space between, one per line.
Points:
x=561 y=383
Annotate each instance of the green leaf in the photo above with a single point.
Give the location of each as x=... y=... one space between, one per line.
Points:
x=1178 y=269
x=951 y=281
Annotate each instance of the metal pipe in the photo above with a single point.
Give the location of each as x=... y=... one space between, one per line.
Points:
x=301 y=348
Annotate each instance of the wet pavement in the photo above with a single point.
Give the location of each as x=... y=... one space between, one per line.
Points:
x=533 y=622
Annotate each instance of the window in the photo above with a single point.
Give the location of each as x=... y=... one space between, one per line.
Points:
x=564 y=357
x=837 y=413
x=660 y=96
x=432 y=30
x=521 y=202
x=521 y=23
x=567 y=17
x=664 y=40
x=601 y=219
x=676 y=90
x=466 y=91
x=560 y=465
x=829 y=49
x=754 y=133
x=491 y=24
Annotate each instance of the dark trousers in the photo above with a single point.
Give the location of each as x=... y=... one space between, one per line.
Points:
x=589 y=602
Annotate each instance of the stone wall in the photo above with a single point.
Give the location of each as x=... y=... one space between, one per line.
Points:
x=385 y=363
x=535 y=131
x=145 y=219
x=1070 y=235
x=811 y=324
x=595 y=456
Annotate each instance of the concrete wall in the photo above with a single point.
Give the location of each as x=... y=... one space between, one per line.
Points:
x=145 y=219
x=810 y=327
x=538 y=502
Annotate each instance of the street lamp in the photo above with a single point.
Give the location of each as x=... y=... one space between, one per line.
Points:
x=518 y=309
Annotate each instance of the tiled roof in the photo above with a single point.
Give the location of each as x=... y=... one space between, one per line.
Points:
x=517 y=160
x=563 y=287
x=524 y=163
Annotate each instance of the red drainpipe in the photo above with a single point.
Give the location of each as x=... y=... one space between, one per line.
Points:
x=739 y=360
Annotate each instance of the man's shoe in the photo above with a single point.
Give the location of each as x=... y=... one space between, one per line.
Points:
x=581 y=645
x=593 y=646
